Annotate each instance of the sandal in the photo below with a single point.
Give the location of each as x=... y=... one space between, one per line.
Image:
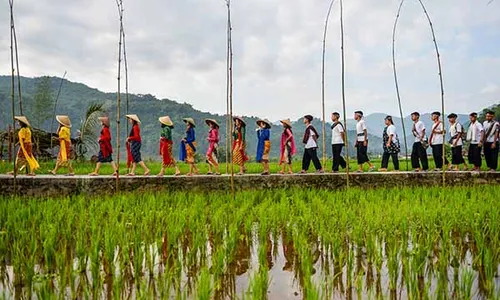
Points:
x=147 y=173
x=281 y=172
x=130 y=174
x=210 y=173
x=264 y=173
x=93 y=174
x=53 y=173
x=70 y=174
x=217 y=174
x=177 y=174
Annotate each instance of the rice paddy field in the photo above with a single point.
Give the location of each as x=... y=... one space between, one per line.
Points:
x=417 y=243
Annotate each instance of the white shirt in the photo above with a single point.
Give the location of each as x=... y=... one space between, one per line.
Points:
x=474 y=133
x=311 y=143
x=437 y=138
x=360 y=130
x=337 y=134
x=486 y=125
x=419 y=127
x=391 y=130
x=454 y=130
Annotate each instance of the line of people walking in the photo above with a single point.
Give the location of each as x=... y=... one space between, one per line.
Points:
x=479 y=136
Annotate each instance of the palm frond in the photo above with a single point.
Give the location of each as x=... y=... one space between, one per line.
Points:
x=88 y=128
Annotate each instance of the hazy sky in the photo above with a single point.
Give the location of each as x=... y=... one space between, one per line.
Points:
x=176 y=49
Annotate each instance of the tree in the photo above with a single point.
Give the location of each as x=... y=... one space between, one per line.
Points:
x=43 y=102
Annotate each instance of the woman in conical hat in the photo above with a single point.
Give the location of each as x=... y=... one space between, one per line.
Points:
x=263 y=144
x=287 y=147
x=25 y=158
x=188 y=147
x=239 y=144
x=213 y=140
x=65 y=152
x=166 y=146
x=105 y=149
x=134 y=143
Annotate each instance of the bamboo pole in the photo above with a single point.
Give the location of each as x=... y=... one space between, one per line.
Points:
x=228 y=117
x=396 y=81
x=126 y=74
x=14 y=41
x=55 y=108
x=12 y=92
x=323 y=81
x=438 y=57
x=230 y=42
x=343 y=87
x=118 y=99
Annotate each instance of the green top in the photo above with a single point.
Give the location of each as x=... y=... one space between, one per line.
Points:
x=242 y=131
x=166 y=132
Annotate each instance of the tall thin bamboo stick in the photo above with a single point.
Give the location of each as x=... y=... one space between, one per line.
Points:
x=54 y=114
x=343 y=87
x=228 y=2
x=17 y=70
x=396 y=81
x=126 y=73
x=12 y=92
x=438 y=56
x=323 y=81
x=118 y=99
x=228 y=117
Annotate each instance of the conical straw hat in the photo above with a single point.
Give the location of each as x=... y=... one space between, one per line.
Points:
x=190 y=121
x=241 y=120
x=104 y=120
x=64 y=120
x=286 y=122
x=212 y=121
x=22 y=119
x=268 y=124
x=133 y=117
x=166 y=121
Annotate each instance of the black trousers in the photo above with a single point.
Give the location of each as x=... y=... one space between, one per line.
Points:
x=456 y=156
x=310 y=154
x=385 y=160
x=362 y=153
x=491 y=155
x=419 y=155
x=338 y=159
x=474 y=155
x=437 y=154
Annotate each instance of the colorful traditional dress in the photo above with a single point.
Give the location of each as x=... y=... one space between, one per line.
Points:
x=239 y=146
x=188 y=147
x=263 y=144
x=287 y=147
x=64 y=156
x=213 y=140
x=166 y=145
x=134 y=145
x=25 y=156
x=105 y=148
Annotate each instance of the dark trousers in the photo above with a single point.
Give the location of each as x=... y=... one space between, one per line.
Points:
x=362 y=153
x=385 y=160
x=437 y=154
x=419 y=155
x=338 y=159
x=310 y=154
x=474 y=155
x=491 y=155
x=456 y=156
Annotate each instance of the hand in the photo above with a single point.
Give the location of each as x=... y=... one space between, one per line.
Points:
x=128 y=140
x=365 y=143
x=454 y=144
x=493 y=146
x=388 y=145
x=480 y=145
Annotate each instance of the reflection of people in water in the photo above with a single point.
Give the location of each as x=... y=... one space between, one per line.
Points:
x=288 y=251
x=242 y=257
x=269 y=252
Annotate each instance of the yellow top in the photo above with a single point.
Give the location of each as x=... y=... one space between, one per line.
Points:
x=25 y=138
x=64 y=136
x=25 y=135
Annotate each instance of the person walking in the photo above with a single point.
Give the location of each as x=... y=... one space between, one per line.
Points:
x=213 y=145
x=475 y=135
x=166 y=146
x=134 y=143
x=338 y=142
x=287 y=147
x=188 y=147
x=105 y=154
x=456 y=143
x=25 y=158
x=362 y=142
x=436 y=141
x=263 y=144
x=239 y=144
x=491 y=144
x=65 y=152
x=419 y=150
x=310 y=152
x=391 y=145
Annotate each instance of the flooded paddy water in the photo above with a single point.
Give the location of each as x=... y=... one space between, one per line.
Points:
x=282 y=244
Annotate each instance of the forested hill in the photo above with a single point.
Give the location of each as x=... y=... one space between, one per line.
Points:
x=76 y=97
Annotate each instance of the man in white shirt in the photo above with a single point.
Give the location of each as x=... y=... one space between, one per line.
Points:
x=311 y=146
x=436 y=141
x=419 y=151
x=362 y=142
x=491 y=145
x=456 y=143
x=475 y=135
x=338 y=142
